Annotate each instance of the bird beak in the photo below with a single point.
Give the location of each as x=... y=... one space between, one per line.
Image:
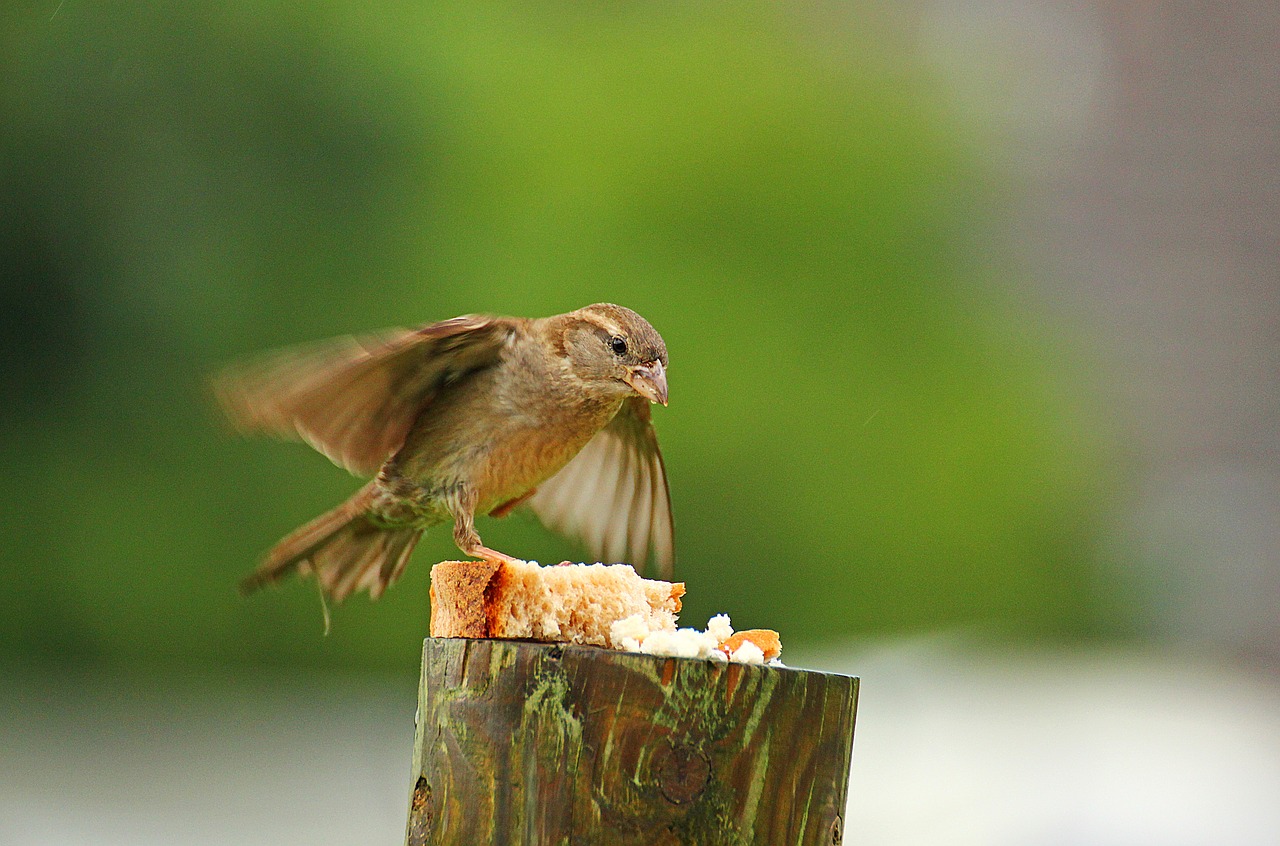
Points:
x=649 y=381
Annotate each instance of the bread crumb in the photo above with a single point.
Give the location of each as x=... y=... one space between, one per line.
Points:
x=748 y=653
x=682 y=643
x=766 y=640
x=628 y=633
x=720 y=628
x=717 y=643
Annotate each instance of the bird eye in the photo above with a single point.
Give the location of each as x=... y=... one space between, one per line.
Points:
x=618 y=345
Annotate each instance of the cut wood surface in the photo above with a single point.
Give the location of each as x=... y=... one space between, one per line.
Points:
x=539 y=743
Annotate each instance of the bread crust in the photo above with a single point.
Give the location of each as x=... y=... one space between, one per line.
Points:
x=458 y=605
x=769 y=642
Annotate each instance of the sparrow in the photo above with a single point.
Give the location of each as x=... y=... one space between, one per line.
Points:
x=474 y=415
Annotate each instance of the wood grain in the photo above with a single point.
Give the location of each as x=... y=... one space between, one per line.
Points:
x=536 y=743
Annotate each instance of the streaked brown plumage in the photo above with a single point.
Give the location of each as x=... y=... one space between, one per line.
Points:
x=474 y=415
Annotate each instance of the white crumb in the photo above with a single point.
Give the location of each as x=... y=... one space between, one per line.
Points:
x=684 y=643
x=748 y=653
x=636 y=634
x=629 y=632
x=720 y=628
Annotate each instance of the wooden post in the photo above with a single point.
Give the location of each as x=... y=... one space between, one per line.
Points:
x=537 y=743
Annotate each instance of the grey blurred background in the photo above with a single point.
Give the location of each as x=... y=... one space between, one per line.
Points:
x=974 y=326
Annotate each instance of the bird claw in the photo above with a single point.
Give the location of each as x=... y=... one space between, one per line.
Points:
x=487 y=554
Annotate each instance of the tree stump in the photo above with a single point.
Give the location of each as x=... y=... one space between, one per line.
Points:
x=540 y=743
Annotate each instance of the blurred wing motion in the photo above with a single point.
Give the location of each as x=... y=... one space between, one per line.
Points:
x=355 y=399
x=613 y=495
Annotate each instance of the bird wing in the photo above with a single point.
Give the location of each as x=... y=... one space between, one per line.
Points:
x=613 y=494
x=355 y=399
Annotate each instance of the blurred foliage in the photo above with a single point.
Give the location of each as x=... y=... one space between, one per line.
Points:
x=865 y=434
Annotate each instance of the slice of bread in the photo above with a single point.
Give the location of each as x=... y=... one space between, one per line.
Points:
x=574 y=603
x=598 y=604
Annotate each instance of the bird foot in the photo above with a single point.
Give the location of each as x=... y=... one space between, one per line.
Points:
x=487 y=554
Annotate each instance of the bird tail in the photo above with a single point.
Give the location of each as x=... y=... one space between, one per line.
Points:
x=345 y=549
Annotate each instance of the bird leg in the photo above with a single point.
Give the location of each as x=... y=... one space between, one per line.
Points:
x=465 y=535
x=471 y=545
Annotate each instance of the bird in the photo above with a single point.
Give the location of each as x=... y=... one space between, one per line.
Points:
x=474 y=415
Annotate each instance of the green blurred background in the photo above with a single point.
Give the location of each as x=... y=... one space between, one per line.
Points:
x=868 y=433
x=971 y=307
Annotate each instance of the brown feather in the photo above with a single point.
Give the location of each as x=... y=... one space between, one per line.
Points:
x=355 y=399
x=343 y=549
x=613 y=495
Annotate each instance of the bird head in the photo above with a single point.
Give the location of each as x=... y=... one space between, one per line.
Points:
x=616 y=351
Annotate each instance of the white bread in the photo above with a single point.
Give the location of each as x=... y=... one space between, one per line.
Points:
x=598 y=604
x=575 y=603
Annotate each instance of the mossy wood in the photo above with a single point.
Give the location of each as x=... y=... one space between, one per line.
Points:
x=534 y=743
